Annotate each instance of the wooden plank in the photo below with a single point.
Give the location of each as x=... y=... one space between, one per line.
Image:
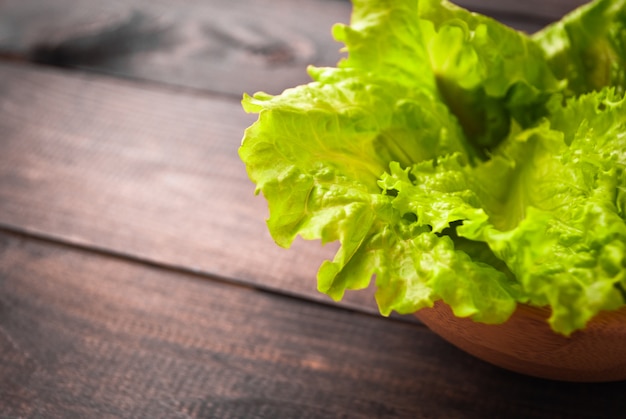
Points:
x=218 y=45
x=86 y=335
x=145 y=172
x=531 y=11
x=221 y=46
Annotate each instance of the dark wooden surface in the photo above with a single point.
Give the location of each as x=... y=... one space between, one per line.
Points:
x=137 y=278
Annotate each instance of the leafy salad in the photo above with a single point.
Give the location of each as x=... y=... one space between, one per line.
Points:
x=457 y=159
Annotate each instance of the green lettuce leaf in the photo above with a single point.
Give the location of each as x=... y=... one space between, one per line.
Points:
x=567 y=249
x=443 y=157
x=588 y=47
x=486 y=72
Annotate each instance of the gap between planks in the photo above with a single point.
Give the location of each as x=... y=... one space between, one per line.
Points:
x=197 y=273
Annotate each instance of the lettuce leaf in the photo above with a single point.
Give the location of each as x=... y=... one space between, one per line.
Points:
x=486 y=72
x=452 y=162
x=588 y=47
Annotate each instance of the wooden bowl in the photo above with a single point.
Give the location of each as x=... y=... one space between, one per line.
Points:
x=526 y=344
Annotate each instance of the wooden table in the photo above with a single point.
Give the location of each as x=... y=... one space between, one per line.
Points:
x=137 y=278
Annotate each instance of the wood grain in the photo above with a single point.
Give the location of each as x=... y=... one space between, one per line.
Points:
x=86 y=335
x=218 y=45
x=145 y=172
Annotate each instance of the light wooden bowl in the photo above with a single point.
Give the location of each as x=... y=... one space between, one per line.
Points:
x=526 y=344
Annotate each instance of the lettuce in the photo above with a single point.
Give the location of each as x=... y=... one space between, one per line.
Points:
x=457 y=159
x=588 y=47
